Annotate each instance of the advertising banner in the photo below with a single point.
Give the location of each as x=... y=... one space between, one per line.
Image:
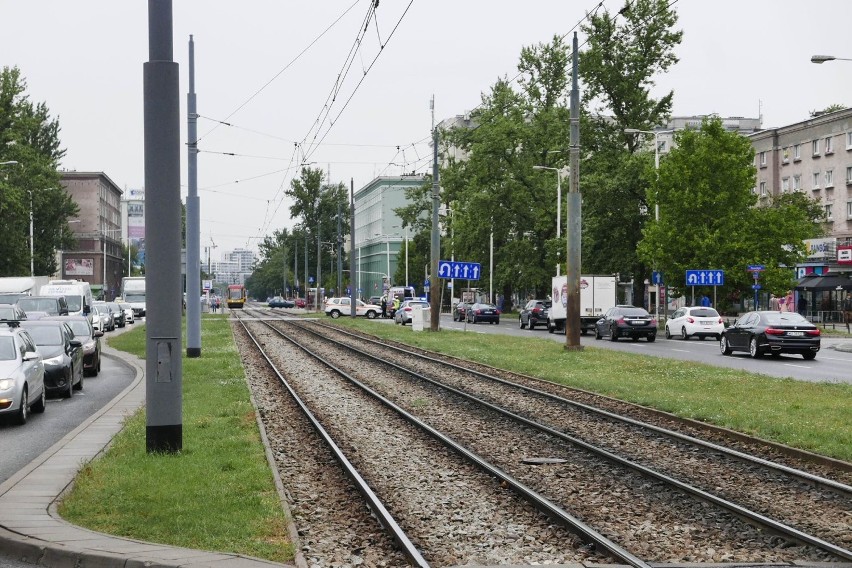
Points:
x=79 y=267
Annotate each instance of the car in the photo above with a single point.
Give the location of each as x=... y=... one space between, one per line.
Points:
x=626 y=321
x=375 y=300
x=21 y=374
x=534 y=313
x=128 y=312
x=279 y=302
x=336 y=307
x=91 y=340
x=53 y=305
x=300 y=302
x=482 y=312
x=12 y=312
x=100 y=317
x=770 y=332
x=695 y=321
x=106 y=314
x=61 y=354
x=403 y=314
x=459 y=311
x=118 y=313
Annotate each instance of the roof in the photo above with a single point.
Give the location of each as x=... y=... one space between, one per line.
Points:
x=828 y=282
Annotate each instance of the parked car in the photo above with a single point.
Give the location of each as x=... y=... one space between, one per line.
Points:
x=376 y=300
x=626 y=321
x=100 y=317
x=91 y=340
x=695 y=321
x=336 y=307
x=21 y=375
x=403 y=314
x=482 y=312
x=534 y=313
x=118 y=313
x=12 y=312
x=300 y=302
x=128 y=312
x=61 y=354
x=106 y=314
x=771 y=332
x=459 y=311
x=276 y=302
x=53 y=305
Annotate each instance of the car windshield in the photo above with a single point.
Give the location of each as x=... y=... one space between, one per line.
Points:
x=634 y=312
x=46 y=335
x=704 y=313
x=7 y=348
x=80 y=328
x=785 y=318
x=134 y=298
x=75 y=303
x=39 y=305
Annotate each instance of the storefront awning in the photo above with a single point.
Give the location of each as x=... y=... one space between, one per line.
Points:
x=828 y=282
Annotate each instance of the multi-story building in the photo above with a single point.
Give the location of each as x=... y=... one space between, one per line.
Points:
x=234 y=267
x=99 y=258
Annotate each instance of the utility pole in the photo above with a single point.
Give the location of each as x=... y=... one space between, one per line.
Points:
x=339 y=246
x=163 y=365
x=353 y=268
x=193 y=220
x=574 y=213
x=434 y=283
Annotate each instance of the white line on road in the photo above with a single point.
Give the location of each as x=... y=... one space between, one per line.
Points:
x=799 y=366
x=682 y=350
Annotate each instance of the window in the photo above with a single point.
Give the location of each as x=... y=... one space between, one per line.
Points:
x=816 y=180
x=763 y=158
x=785 y=156
x=797 y=152
x=797 y=182
x=829 y=149
x=763 y=189
x=848 y=175
x=829 y=178
x=815 y=147
x=849 y=140
x=849 y=209
x=828 y=207
x=785 y=185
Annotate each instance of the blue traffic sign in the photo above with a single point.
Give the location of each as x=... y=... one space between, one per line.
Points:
x=310 y=280
x=463 y=270
x=756 y=268
x=705 y=277
x=657 y=277
x=756 y=286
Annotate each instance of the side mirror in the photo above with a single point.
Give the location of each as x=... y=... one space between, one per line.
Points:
x=86 y=310
x=30 y=356
x=98 y=333
x=75 y=343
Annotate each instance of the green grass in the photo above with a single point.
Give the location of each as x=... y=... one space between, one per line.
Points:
x=812 y=416
x=217 y=493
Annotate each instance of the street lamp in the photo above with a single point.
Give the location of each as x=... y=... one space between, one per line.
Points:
x=558 y=213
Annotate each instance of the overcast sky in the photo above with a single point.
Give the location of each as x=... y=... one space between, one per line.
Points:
x=84 y=60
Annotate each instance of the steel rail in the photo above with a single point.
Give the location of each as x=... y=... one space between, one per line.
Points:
x=841 y=488
x=585 y=532
x=373 y=502
x=738 y=510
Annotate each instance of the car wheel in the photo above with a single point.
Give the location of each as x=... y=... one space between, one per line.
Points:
x=668 y=333
x=809 y=355
x=613 y=335
x=550 y=327
x=23 y=412
x=753 y=349
x=635 y=338
x=652 y=338
x=39 y=406
x=335 y=314
x=598 y=333
x=531 y=326
x=371 y=315
x=723 y=346
x=521 y=324
x=683 y=334
x=702 y=337
x=497 y=322
x=78 y=386
x=70 y=391
x=97 y=367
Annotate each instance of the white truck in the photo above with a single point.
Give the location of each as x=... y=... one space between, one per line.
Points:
x=78 y=295
x=133 y=292
x=598 y=293
x=13 y=288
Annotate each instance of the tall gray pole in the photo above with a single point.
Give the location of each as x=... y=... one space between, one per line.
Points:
x=319 y=267
x=193 y=220
x=307 y=284
x=574 y=213
x=295 y=270
x=32 y=248
x=339 y=247
x=163 y=365
x=434 y=282
x=353 y=268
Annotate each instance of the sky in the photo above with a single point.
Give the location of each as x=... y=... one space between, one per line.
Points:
x=268 y=68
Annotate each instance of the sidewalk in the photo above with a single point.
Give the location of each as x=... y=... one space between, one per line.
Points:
x=32 y=531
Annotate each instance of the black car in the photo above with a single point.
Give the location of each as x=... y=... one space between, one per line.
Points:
x=771 y=332
x=61 y=353
x=534 y=313
x=83 y=331
x=482 y=312
x=279 y=302
x=626 y=321
x=459 y=311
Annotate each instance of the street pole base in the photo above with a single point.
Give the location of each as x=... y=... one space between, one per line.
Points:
x=164 y=439
x=573 y=347
x=193 y=352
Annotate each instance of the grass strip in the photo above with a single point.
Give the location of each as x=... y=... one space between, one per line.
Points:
x=813 y=416
x=216 y=494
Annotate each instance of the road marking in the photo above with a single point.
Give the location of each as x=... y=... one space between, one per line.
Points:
x=682 y=350
x=799 y=366
x=834 y=359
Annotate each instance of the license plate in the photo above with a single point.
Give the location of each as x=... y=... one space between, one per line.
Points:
x=796 y=333
x=706 y=322
x=639 y=322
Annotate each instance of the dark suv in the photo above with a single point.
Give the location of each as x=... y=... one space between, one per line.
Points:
x=534 y=313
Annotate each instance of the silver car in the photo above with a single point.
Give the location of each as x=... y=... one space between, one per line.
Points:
x=403 y=313
x=21 y=375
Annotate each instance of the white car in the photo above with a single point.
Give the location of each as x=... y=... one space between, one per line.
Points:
x=21 y=374
x=695 y=321
x=128 y=312
x=336 y=307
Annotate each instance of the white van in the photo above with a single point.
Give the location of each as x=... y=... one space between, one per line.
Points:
x=78 y=295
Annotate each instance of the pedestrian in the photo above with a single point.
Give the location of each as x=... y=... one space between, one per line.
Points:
x=705 y=301
x=803 y=306
x=384 y=307
x=847 y=310
x=396 y=303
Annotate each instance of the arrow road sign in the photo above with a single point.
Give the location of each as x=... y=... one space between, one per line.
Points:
x=705 y=277
x=463 y=270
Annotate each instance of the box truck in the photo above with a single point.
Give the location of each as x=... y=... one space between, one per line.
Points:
x=598 y=293
x=133 y=293
x=13 y=288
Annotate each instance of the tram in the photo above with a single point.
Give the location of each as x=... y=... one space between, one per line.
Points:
x=236 y=296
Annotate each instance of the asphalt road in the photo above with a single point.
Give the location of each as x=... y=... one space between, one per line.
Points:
x=830 y=365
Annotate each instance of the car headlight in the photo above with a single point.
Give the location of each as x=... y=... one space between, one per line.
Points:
x=6 y=384
x=54 y=360
x=89 y=347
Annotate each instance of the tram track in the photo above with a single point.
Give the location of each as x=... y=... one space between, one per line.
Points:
x=694 y=461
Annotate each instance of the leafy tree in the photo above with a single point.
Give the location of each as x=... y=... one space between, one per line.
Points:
x=30 y=136
x=626 y=50
x=709 y=216
x=830 y=108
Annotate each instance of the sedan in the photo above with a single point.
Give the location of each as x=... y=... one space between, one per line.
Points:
x=482 y=312
x=696 y=321
x=21 y=375
x=61 y=353
x=100 y=318
x=404 y=313
x=459 y=311
x=626 y=321
x=91 y=340
x=771 y=332
x=534 y=313
x=117 y=313
x=279 y=302
x=107 y=315
x=129 y=317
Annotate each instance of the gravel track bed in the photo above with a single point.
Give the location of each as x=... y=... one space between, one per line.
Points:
x=821 y=512
x=650 y=520
x=454 y=513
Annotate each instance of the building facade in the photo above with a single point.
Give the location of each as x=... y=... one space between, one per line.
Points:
x=234 y=266
x=99 y=258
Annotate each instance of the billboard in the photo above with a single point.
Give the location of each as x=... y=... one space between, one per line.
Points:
x=79 y=266
x=136 y=225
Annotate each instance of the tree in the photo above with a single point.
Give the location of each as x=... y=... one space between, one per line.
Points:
x=626 y=50
x=830 y=108
x=709 y=218
x=29 y=136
